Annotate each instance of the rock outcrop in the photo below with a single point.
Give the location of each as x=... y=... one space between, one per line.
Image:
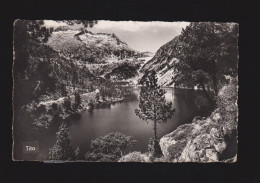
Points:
x=139 y=157
x=199 y=141
x=134 y=157
x=163 y=62
x=206 y=139
x=209 y=139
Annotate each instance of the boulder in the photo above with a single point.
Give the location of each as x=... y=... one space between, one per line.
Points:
x=166 y=143
x=217 y=117
x=200 y=141
x=201 y=149
x=205 y=139
x=172 y=144
x=135 y=157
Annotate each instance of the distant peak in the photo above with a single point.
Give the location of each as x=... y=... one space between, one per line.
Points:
x=117 y=39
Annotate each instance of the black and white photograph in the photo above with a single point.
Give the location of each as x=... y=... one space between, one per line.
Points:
x=125 y=91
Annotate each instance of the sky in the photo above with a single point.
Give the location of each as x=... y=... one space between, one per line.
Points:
x=141 y=36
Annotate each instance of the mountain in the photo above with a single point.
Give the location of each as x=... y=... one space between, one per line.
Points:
x=163 y=62
x=103 y=54
x=147 y=54
x=56 y=70
x=86 y=47
x=72 y=59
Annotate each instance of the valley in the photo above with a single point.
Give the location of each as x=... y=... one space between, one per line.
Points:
x=94 y=93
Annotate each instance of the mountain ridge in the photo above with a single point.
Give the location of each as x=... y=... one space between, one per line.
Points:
x=87 y=47
x=163 y=62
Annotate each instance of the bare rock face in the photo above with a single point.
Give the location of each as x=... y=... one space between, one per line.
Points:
x=201 y=141
x=206 y=139
x=165 y=143
x=203 y=148
x=139 y=157
x=163 y=62
x=217 y=117
x=172 y=144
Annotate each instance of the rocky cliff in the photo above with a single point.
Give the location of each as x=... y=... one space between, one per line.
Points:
x=200 y=141
x=163 y=62
x=210 y=139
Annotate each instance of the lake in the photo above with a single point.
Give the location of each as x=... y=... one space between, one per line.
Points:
x=121 y=117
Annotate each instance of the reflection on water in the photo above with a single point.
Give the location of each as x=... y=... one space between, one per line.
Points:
x=121 y=117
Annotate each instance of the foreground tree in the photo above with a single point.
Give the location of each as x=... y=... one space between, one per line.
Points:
x=63 y=150
x=109 y=147
x=153 y=107
x=207 y=53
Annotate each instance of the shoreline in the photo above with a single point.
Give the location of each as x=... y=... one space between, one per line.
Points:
x=88 y=103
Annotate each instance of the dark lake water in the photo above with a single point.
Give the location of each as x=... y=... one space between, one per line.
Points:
x=121 y=117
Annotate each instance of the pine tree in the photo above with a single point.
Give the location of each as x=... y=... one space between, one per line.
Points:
x=63 y=150
x=77 y=100
x=153 y=107
x=207 y=52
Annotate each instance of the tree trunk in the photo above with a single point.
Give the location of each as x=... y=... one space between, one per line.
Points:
x=155 y=130
x=157 y=152
x=214 y=79
x=215 y=85
x=206 y=93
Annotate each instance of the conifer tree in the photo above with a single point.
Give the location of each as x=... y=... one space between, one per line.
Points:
x=153 y=107
x=77 y=100
x=63 y=150
x=207 y=52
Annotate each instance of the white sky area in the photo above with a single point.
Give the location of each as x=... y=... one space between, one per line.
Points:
x=141 y=36
x=54 y=24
